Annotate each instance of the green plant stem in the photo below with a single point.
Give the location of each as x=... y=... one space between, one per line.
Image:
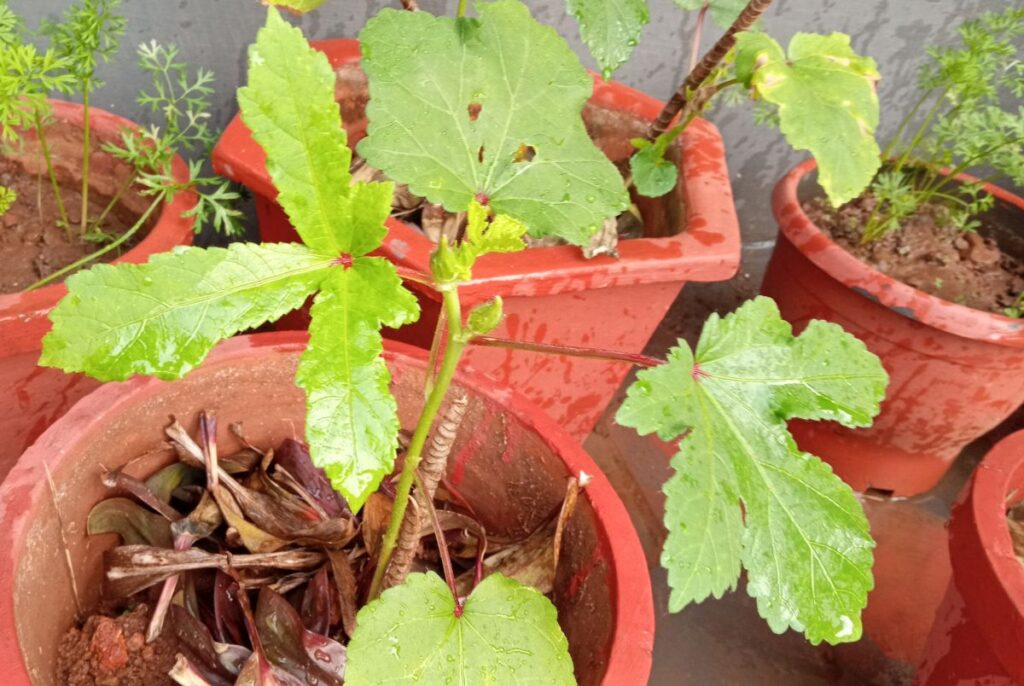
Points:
x=74 y=266
x=568 y=350
x=461 y=12
x=113 y=201
x=904 y=123
x=449 y=363
x=45 y=147
x=86 y=144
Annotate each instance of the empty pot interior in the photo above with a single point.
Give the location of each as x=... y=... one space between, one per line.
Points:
x=510 y=475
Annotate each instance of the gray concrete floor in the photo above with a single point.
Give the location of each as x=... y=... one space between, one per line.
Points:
x=725 y=642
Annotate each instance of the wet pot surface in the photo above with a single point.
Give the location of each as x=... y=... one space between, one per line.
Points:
x=512 y=467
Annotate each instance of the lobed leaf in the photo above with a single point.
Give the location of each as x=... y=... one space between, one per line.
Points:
x=161 y=318
x=497 y=103
x=800 y=534
x=507 y=634
x=289 y=105
x=825 y=94
x=610 y=28
x=352 y=419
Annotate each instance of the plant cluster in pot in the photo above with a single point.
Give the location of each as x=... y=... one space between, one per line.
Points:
x=926 y=266
x=243 y=566
x=979 y=628
x=82 y=185
x=512 y=138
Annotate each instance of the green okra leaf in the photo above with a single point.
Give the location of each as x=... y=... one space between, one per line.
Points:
x=610 y=28
x=507 y=633
x=802 y=536
x=497 y=102
x=826 y=99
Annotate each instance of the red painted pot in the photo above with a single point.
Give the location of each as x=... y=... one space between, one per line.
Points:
x=955 y=372
x=978 y=637
x=512 y=467
x=34 y=397
x=552 y=295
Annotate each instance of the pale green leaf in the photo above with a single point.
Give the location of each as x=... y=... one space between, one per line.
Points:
x=653 y=175
x=508 y=634
x=351 y=420
x=825 y=94
x=289 y=105
x=805 y=541
x=497 y=105
x=162 y=318
x=610 y=28
x=723 y=12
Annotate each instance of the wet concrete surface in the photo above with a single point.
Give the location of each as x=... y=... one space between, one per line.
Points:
x=725 y=641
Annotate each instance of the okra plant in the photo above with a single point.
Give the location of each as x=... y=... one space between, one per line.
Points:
x=88 y=34
x=819 y=91
x=968 y=116
x=742 y=496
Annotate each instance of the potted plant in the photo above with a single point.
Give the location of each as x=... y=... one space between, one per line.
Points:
x=679 y=189
x=980 y=626
x=80 y=184
x=925 y=267
x=743 y=496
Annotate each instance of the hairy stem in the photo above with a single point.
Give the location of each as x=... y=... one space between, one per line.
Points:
x=86 y=135
x=571 y=351
x=410 y=5
x=45 y=147
x=74 y=266
x=449 y=363
x=432 y=468
x=699 y=74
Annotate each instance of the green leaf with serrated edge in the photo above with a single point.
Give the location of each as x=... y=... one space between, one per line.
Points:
x=289 y=105
x=498 y=104
x=653 y=175
x=825 y=94
x=723 y=12
x=351 y=419
x=805 y=542
x=508 y=634
x=610 y=28
x=161 y=318
x=296 y=6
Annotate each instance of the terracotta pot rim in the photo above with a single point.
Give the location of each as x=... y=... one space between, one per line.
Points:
x=169 y=229
x=872 y=284
x=986 y=572
x=708 y=250
x=25 y=489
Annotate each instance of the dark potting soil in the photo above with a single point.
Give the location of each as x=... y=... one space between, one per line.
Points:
x=32 y=244
x=112 y=651
x=964 y=267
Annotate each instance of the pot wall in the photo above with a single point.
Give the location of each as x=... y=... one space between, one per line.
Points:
x=979 y=629
x=512 y=467
x=955 y=373
x=552 y=295
x=34 y=397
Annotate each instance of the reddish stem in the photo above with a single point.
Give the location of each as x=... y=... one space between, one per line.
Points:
x=698 y=33
x=571 y=351
x=442 y=547
x=412 y=275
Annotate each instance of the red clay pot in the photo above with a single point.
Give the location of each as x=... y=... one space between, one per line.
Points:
x=955 y=372
x=978 y=637
x=553 y=295
x=34 y=397
x=512 y=467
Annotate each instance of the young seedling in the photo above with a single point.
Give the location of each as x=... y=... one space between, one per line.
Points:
x=90 y=32
x=822 y=91
x=742 y=496
x=968 y=124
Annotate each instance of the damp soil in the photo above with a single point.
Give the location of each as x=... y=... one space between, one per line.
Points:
x=32 y=242
x=965 y=267
x=110 y=649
